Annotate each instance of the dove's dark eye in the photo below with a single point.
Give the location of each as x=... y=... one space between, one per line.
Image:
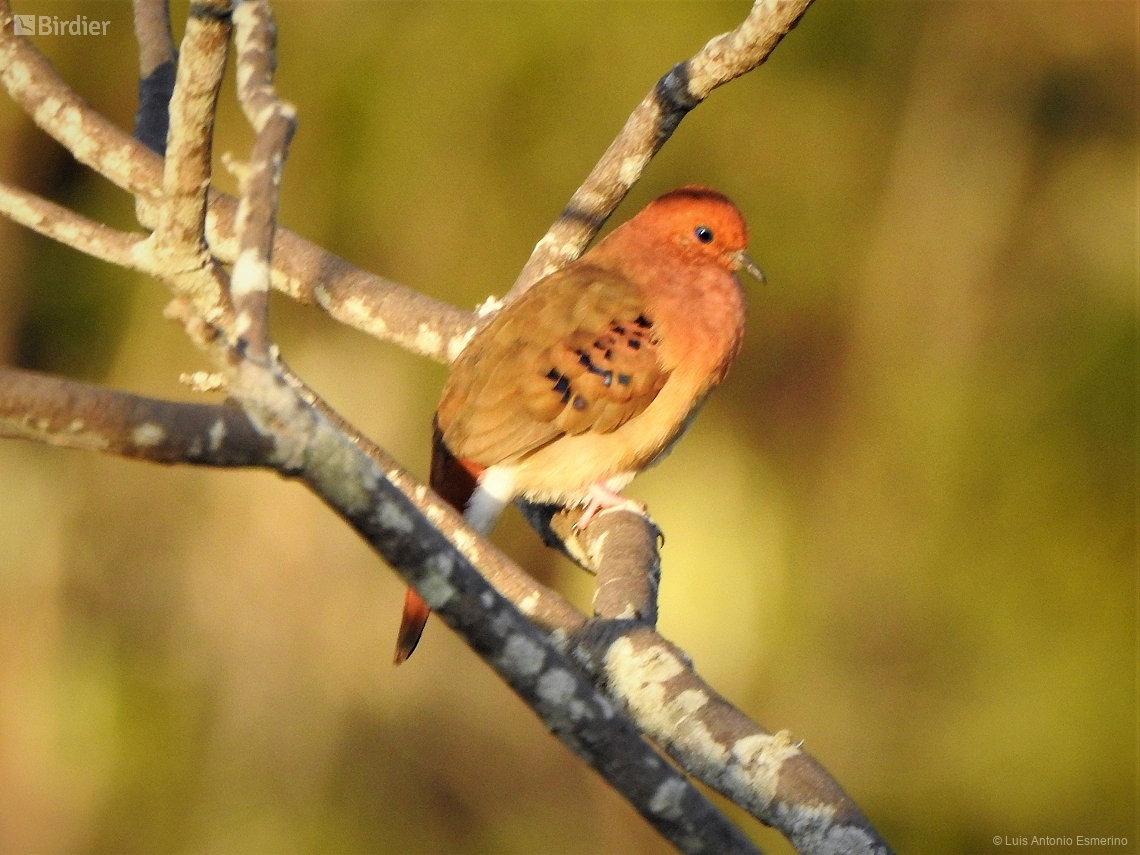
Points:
x=704 y=234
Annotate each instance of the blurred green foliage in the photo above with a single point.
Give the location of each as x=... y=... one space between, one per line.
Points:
x=905 y=529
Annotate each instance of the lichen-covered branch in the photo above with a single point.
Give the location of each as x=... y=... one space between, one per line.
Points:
x=301 y=269
x=186 y=172
x=70 y=414
x=274 y=122
x=179 y=255
x=770 y=775
x=71 y=229
x=311 y=448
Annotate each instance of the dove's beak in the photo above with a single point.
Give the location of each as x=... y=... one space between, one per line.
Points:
x=745 y=262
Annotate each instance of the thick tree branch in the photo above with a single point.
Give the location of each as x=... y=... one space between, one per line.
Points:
x=70 y=414
x=769 y=775
x=309 y=447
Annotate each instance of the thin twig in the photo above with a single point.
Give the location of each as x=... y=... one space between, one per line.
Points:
x=273 y=121
x=72 y=229
x=724 y=58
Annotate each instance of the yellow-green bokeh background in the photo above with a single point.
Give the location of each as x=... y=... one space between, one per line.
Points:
x=904 y=529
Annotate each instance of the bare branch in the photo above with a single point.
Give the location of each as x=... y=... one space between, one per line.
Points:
x=544 y=607
x=70 y=414
x=310 y=447
x=724 y=58
x=619 y=547
x=772 y=778
x=74 y=230
x=628 y=566
x=302 y=270
x=181 y=228
x=274 y=121
x=767 y=774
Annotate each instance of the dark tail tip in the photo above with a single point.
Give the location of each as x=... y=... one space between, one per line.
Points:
x=415 y=616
